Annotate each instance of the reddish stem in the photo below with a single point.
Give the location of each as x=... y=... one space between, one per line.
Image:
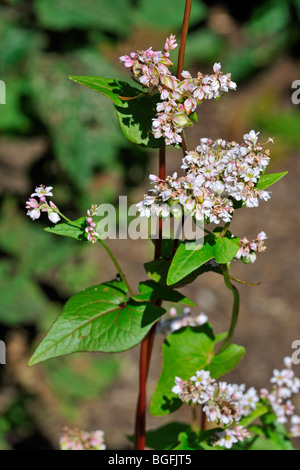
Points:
x=147 y=343
x=203 y=420
x=183 y=36
x=140 y=423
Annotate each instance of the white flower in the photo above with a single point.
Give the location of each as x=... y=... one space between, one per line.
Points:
x=43 y=191
x=251 y=138
x=249 y=401
x=34 y=213
x=263 y=236
x=177 y=389
x=286 y=360
x=282 y=377
x=53 y=216
x=217 y=67
x=226 y=439
x=201 y=377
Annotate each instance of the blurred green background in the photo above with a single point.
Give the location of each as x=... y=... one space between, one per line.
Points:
x=55 y=132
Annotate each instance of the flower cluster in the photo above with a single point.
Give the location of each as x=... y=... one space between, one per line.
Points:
x=217 y=175
x=92 y=235
x=175 y=322
x=228 y=437
x=226 y=403
x=151 y=68
x=247 y=251
x=221 y=401
x=179 y=98
x=75 y=439
x=285 y=384
x=38 y=204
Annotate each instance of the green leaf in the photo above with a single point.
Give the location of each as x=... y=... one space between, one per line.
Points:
x=76 y=229
x=276 y=433
x=184 y=352
x=259 y=411
x=272 y=435
x=193 y=116
x=226 y=360
x=157 y=270
x=226 y=249
x=190 y=256
x=150 y=291
x=273 y=442
x=135 y=108
x=190 y=440
x=100 y=318
x=69 y=230
x=267 y=180
x=165 y=437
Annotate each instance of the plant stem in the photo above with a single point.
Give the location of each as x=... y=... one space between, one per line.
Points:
x=68 y=220
x=110 y=253
x=118 y=267
x=147 y=343
x=224 y=230
x=140 y=420
x=235 y=308
x=108 y=250
x=183 y=144
x=251 y=284
x=203 y=420
x=183 y=36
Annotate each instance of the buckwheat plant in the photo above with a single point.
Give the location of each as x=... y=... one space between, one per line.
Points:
x=213 y=183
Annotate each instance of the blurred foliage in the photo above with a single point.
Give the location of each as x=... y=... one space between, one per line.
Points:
x=78 y=379
x=84 y=155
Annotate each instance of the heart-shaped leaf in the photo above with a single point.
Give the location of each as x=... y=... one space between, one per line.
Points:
x=135 y=108
x=165 y=437
x=69 y=230
x=184 y=352
x=191 y=256
x=74 y=229
x=150 y=290
x=100 y=318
